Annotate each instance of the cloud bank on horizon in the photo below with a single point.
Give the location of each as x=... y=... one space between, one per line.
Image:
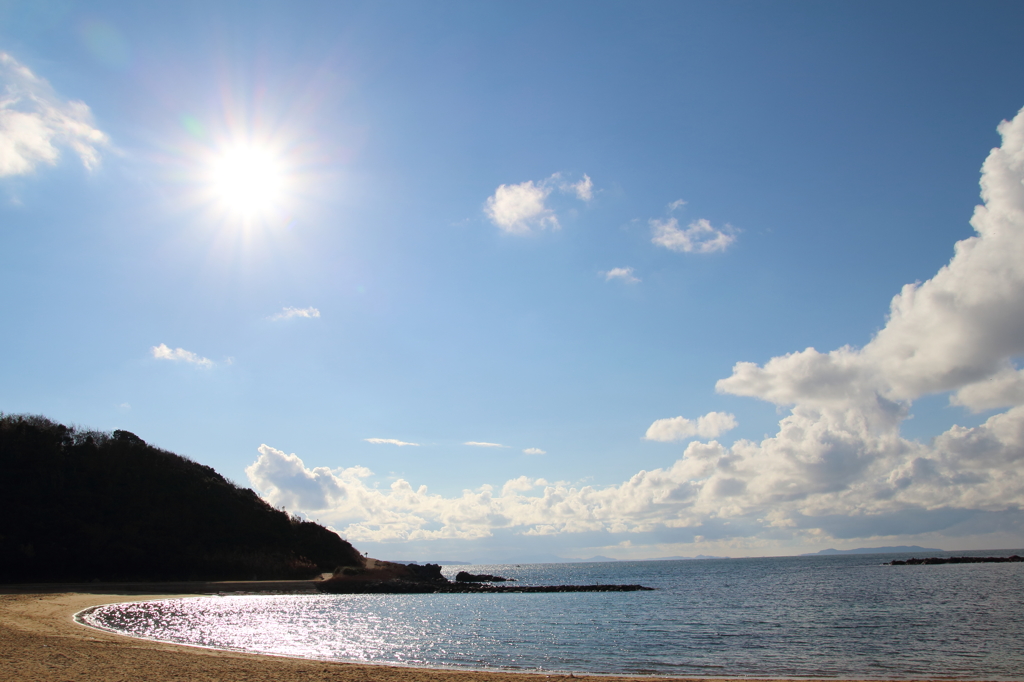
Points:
x=35 y=123
x=838 y=466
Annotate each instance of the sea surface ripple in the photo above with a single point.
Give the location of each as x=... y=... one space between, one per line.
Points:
x=845 y=616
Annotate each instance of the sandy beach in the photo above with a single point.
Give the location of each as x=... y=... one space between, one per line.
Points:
x=40 y=641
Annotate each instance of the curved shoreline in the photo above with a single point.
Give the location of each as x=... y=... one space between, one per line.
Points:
x=40 y=640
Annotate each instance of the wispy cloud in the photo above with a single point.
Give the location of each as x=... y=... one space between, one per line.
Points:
x=522 y=208
x=534 y=451
x=287 y=313
x=584 y=189
x=624 y=274
x=711 y=425
x=478 y=444
x=35 y=122
x=163 y=352
x=698 y=237
x=389 y=441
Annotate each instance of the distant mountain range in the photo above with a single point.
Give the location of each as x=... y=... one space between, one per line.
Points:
x=898 y=549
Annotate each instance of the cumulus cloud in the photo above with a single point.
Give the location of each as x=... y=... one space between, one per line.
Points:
x=35 y=123
x=522 y=209
x=479 y=444
x=534 y=451
x=1005 y=388
x=389 y=441
x=771 y=487
x=624 y=274
x=286 y=481
x=838 y=465
x=163 y=352
x=958 y=331
x=840 y=450
x=711 y=425
x=288 y=313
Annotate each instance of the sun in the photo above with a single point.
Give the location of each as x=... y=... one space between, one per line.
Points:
x=248 y=181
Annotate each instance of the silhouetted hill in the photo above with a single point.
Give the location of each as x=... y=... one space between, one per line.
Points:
x=80 y=505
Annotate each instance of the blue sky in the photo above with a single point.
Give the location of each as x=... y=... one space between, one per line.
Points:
x=532 y=242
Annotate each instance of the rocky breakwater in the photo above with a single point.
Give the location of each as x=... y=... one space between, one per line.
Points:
x=464 y=577
x=957 y=560
x=388 y=578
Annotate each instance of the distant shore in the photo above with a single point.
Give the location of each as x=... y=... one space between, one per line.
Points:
x=40 y=641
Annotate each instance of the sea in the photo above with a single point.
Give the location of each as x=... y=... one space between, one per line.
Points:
x=838 y=616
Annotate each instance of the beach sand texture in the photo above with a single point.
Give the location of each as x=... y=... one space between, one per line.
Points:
x=40 y=641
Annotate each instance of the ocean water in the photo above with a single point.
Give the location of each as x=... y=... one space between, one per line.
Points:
x=846 y=616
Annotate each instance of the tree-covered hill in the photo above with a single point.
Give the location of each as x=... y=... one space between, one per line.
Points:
x=79 y=505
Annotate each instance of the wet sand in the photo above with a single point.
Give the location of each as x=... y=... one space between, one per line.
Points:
x=40 y=641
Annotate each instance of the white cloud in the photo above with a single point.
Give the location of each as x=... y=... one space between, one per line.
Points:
x=288 y=313
x=958 y=331
x=522 y=209
x=778 y=486
x=479 y=444
x=698 y=237
x=625 y=274
x=35 y=123
x=162 y=352
x=1003 y=389
x=519 y=209
x=389 y=441
x=838 y=466
x=840 y=449
x=534 y=451
x=584 y=189
x=711 y=425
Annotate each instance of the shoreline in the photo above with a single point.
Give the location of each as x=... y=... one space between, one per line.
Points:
x=41 y=640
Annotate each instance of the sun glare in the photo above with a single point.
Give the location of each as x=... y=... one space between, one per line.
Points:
x=248 y=181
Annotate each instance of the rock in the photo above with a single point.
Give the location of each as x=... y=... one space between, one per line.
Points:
x=390 y=578
x=464 y=577
x=427 y=572
x=399 y=586
x=957 y=560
